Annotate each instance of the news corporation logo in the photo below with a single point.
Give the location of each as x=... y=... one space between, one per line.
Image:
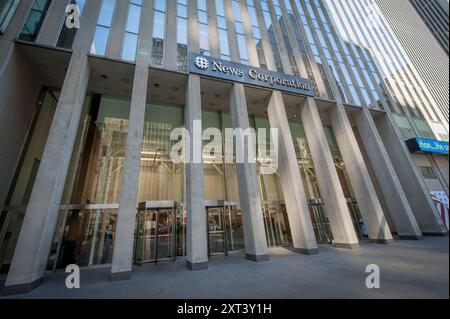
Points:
x=201 y=63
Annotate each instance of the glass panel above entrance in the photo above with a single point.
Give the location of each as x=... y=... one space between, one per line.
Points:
x=101 y=150
x=160 y=178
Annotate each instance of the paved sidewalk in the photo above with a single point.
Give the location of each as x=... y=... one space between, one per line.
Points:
x=409 y=269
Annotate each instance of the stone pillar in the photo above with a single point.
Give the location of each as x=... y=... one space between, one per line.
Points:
x=55 y=17
x=129 y=190
x=171 y=36
x=196 y=227
x=418 y=196
x=250 y=198
x=389 y=185
x=34 y=242
x=366 y=196
x=117 y=34
x=302 y=231
x=330 y=187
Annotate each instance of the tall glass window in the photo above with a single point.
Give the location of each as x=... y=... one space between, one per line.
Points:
x=34 y=21
x=160 y=178
x=203 y=27
x=272 y=37
x=240 y=33
x=310 y=41
x=7 y=9
x=67 y=35
x=287 y=41
x=320 y=43
x=222 y=30
x=343 y=56
x=101 y=36
x=256 y=33
x=132 y=30
x=159 y=32
x=301 y=45
x=182 y=41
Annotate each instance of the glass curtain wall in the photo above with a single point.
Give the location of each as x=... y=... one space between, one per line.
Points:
x=102 y=31
x=240 y=33
x=319 y=218
x=203 y=26
x=130 y=41
x=271 y=32
x=256 y=33
x=182 y=35
x=160 y=179
x=225 y=228
x=87 y=221
x=159 y=32
x=34 y=20
x=222 y=28
x=276 y=221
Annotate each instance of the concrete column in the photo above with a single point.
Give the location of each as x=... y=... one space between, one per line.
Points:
x=330 y=187
x=365 y=193
x=412 y=182
x=53 y=22
x=171 y=36
x=126 y=219
x=389 y=185
x=196 y=228
x=302 y=231
x=249 y=195
x=117 y=34
x=30 y=257
x=212 y=26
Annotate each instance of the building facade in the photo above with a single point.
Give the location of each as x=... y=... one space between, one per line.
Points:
x=422 y=49
x=88 y=112
x=435 y=16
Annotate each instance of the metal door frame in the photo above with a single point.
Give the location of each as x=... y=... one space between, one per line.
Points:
x=225 y=206
x=323 y=224
x=159 y=206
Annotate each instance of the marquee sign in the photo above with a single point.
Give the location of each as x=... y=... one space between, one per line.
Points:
x=421 y=145
x=235 y=72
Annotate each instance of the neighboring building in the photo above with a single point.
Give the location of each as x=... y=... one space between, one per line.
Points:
x=87 y=116
x=423 y=53
x=435 y=16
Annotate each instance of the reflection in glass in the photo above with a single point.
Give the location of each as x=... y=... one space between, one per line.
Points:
x=101 y=36
x=159 y=30
x=132 y=29
x=34 y=20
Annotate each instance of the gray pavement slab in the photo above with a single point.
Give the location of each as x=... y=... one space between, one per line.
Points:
x=409 y=269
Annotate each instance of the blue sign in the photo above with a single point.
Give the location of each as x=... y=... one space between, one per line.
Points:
x=235 y=72
x=422 y=145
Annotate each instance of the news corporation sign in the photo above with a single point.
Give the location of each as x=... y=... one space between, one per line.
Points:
x=235 y=72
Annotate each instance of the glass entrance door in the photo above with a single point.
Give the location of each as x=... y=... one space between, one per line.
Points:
x=320 y=222
x=217 y=229
x=225 y=228
x=276 y=224
x=358 y=222
x=156 y=234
